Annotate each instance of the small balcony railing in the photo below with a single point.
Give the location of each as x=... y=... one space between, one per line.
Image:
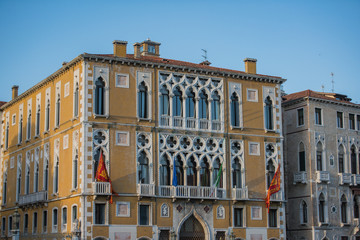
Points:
x=191 y=123
x=345 y=178
x=277 y=196
x=192 y=192
x=33 y=198
x=300 y=177
x=146 y=189
x=216 y=125
x=203 y=124
x=322 y=176
x=357 y=179
x=240 y=193
x=178 y=122
x=101 y=188
x=165 y=120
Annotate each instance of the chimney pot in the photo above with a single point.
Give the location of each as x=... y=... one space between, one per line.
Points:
x=15 y=89
x=136 y=50
x=250 y=65
x=120 y=48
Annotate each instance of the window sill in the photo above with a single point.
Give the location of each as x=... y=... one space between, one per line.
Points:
x=303 y=224
x=101 y=116
x=55 y=194
x=240 y=227
x=323 y=224
x=75 y=118
x=27 y=140
x=237 y=127
x=270 y=130
x=144 y=119
x=57 y=127
x=345 y=224
x=46 y=132
x=319 y=125
x=37 y=136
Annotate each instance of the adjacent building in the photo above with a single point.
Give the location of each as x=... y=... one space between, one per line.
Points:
x=219 y=131
x=322 y=157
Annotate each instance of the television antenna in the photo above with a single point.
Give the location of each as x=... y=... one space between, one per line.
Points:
x=205 y=54
x=332 y=81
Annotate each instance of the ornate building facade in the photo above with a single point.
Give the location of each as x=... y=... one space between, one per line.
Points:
x=190 y=149
x=323 y=170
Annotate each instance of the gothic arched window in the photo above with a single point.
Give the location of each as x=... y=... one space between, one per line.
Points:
x=191 y=173
x=177 y=103
x=235 y=115
x=164 y=171
x=237 y=178
x=341 y=159
x=179 y=170
x=99 y=96
x=269 y=119
x=57 y=123
x=217 y=172
x=321 y=208
x=204 y=173
x=76 y=100
x=164 y=101
x=143 y=171
x=203 y=105
x=215 y=107
x=343 y=209
x=319 y=157
x=190 y=104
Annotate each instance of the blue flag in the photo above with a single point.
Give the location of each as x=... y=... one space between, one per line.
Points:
x=174 y=180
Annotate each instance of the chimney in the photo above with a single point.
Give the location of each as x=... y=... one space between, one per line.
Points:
x=250 y=65
x=136 y=50
x=15 y=89
x=119 y=48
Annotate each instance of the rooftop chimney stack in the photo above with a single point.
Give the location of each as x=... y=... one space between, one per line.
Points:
x=136 y=50
x=250 y=65
x=15 y=89
x=119 y=48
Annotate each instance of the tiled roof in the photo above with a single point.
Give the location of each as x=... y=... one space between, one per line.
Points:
x=319 y=95
x=181 y=63
x=2 y=103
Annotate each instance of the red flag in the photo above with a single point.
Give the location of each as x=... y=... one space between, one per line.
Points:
x=102 y=174
x=273 y=188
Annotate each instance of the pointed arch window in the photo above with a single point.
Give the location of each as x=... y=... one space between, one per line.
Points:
x=47 y=116
x=75 y=170
x=57 y=115
x=216 y=172
x=4 y=193
x=179 y=170
x=56 y=175
x=356 y=208
x=27 y=179
x=18 y=183
x=191 y=172
x=203 y=105
x=177 y=103
x=36 y=177
x=235 y=115
x=304 y=212
x=270 y=172
x=343 y=209
x=302 y=162
x=28 y=127
x=322 y=208
x=20 y=129
x=353 y=159
x=319 y=157
x=164 y=102
x=76 y=100
x=143 y=101
x=204 y=173
x=46 y=175
x=7 y=136
x=341 y=159
x=269 y=119
x=143 y=171
x=215 y=107
x=164 y=171
x=237 y=178
x=190 y=104
x=99 y=96
x=37 y=129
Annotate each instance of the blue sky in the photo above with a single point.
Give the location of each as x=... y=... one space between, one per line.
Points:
x=301 y=41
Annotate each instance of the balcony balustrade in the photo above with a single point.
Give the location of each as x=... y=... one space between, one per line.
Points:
x=33 y=198
x=191 y=123
x=277 y=196
x=357 y=179
x=101 y=188
x=192 y=192
x=240 y=193
x=322 y=176
x=345 y=178
x=147 y=190
x=300 y=177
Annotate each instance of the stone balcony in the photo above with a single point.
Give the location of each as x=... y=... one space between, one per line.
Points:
x=146 y=190
x=191 y=123
x=240 y=193
x=300 y=177
x=345 y=178
x=101 y=188
x=322 y=176
x=192 y=192
x=35 y=198
x=277 y=196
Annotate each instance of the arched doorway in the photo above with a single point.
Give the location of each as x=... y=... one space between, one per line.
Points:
x=192 y=230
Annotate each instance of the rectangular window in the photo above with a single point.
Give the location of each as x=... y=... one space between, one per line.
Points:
x=238 y=217
x=318 y=117
x=273 y=218
x=144 y=215
x=26 y=223
x=99 y=213
x=64 y=218
x=122 y=80
x=3 y=225
x=122 y=138
x=35 y=219
x=10 y=225
x=123 y=209
x=55 y=220
x=339 y=120
x=300 y=117
x=13 y=122
x=252 y=95
x=44 y=221
x=254 y=148
x=256 y=213
x=351 y=121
